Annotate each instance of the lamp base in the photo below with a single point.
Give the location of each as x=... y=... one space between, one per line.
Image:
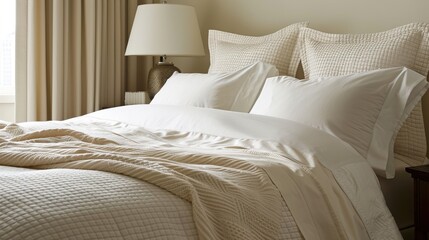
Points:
x=158 y=75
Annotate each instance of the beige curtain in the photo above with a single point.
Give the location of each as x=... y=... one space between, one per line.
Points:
x=70 y=57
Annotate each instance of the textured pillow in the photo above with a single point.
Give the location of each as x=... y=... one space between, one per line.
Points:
x=235 y=91
x=364 y=109
x=229 y=51
x=325 y=55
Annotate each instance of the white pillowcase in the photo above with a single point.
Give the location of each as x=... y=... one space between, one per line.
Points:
x=230 y=51
x=365 y=109
x=235 y=91
x=327 y=55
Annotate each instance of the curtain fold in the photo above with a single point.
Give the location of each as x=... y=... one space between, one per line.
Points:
x=70 y=57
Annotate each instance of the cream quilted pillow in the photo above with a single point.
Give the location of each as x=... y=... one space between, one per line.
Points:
x=229 y=51
x=326 y=55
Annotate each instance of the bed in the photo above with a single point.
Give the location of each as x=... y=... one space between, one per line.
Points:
x=97 y=194
x=250 y=153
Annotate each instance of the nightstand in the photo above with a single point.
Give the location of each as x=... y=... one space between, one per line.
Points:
x=421 y=200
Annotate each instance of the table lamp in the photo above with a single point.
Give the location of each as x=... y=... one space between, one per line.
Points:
x=164 y=30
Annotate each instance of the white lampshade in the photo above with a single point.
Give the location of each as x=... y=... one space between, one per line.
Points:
x=165 y=29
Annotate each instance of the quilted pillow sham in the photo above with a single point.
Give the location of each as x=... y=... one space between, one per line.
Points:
x=235 y=91
x=364 y=109
x=325 y=55
x=230 y=52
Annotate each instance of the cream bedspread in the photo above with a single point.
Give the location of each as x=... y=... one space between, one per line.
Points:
x=230 y=198
x=236 y=192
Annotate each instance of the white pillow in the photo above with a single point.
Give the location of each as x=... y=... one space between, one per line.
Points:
x=365 y=109
x=235 y=91
x=229 y=51
x=326 y=55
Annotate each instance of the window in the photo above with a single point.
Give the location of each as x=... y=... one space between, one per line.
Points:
x=7 y=47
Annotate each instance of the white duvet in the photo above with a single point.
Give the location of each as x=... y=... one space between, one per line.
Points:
x=332 y=191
